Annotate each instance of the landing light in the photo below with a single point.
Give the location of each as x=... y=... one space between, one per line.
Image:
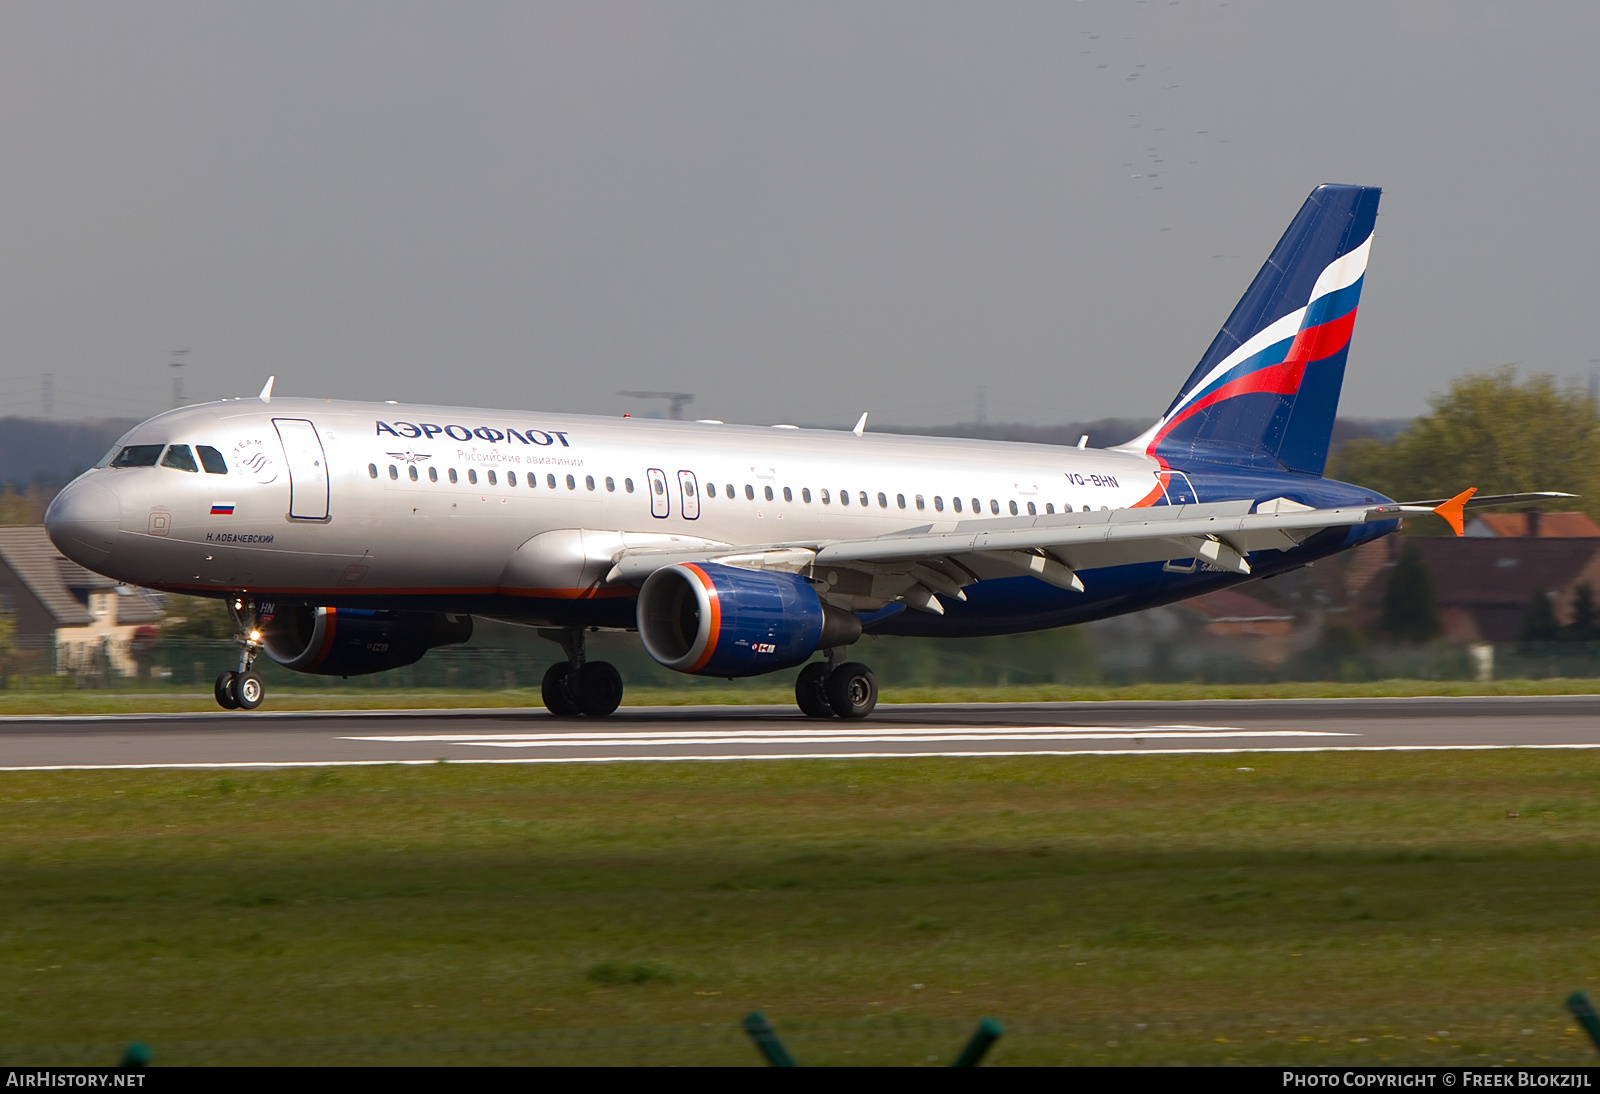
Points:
x=255 y=636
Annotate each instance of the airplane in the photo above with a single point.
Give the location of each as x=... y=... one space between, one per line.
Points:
x=353 y=537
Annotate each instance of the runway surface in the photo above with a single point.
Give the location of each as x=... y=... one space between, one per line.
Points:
x=266 y=739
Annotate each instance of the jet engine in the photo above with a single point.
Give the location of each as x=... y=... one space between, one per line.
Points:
x=714 y=620
x=352 y=642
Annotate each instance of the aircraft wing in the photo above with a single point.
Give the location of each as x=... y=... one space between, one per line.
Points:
x=918 y=564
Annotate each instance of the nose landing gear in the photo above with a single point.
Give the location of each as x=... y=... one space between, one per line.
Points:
x=836 y=688
x=578 y=686
x=242 y=689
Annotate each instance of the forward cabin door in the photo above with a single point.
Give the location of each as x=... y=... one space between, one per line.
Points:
x=308 y=468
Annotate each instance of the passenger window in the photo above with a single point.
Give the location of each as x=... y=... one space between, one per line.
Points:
x=824 y=497
x=493 y=481
x=393 y=473
x=511 y=478
x=844 y=497
x=977 y=506
x=412 y=471
x=787 y=496
x=900 y=500
x=211 y=460
x=611 y=485
x=472 y=476
x=572 y=483
x=1032 y=512
x=180 y=458
x=688 y=487
x=1049 y=508
x=805 y=494
x=957 y=503
x=994 y=507
x=658 y=486
x=433 y=474
x=588 y=480
x=453 y=475
x=627 y=484
x=711 y=489
x=920 y=503
x=749 y=492
x=768 y=493
x=861 y=496
x=938 y=504
x=551 y=481
x=138 y=455
x=372 y=470
x=883 y=502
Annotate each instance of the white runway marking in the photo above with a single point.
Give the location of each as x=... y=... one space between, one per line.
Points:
x=917 y=735
x=1146 y=753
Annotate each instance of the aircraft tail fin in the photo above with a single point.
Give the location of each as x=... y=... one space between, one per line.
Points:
x=1266 y=392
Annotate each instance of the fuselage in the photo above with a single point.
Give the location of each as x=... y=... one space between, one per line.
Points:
x=514 y=514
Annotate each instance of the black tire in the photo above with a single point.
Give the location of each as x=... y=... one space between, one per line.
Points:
x=223 y=690
x=811 y=691
x=599 y=690
x=852 y=690
x=557 y=690
x=247 y=690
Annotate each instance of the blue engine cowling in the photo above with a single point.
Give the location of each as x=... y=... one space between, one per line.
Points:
x=353 y=642
x=714 y=620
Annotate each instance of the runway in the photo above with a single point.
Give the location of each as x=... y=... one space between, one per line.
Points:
x=291 y=739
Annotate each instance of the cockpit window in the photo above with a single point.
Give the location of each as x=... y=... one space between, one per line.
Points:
x=105 y=461
x=178 y=456
x=211 y=460
x=138 y=455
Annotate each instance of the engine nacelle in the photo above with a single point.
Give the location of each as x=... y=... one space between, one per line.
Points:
x=714 y=620
x=353 y=642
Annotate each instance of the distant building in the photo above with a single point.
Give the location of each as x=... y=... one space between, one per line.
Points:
x=1483 y=583
x=53 y=600
x=1532 y=524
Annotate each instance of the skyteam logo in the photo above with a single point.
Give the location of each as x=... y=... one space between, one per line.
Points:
x=1274 y=360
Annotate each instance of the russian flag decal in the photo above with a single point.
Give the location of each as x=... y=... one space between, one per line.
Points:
x=222 y=508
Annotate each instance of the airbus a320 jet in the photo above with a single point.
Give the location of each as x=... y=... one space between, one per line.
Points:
x=350 y=538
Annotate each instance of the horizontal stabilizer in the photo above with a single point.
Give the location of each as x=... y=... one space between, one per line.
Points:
x=1484 y=501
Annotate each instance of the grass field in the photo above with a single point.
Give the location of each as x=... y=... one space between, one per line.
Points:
x=1255 y=908
x=65 y=703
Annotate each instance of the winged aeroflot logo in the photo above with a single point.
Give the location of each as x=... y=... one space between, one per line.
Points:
x=409 y=456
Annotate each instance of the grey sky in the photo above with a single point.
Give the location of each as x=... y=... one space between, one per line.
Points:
x=796 y=211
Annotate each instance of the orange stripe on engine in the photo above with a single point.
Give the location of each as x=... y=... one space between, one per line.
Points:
x=330 y=624
x=716 y=616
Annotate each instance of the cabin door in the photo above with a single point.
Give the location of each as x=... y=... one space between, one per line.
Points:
x=308 y=468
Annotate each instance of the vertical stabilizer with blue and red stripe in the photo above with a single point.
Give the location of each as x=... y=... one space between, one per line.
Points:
x=1265 y=393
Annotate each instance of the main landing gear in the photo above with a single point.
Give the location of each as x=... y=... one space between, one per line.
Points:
x=242 y=689
x=578 y=686
x=836 y=687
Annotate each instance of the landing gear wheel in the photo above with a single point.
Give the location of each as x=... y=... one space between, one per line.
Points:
x=557 y=690
x=223 y=690
x=247 y=690
x=599 y=689
x=811 y=691
x=852 y=690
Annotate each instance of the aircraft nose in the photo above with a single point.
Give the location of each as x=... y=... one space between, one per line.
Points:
x=82 y=522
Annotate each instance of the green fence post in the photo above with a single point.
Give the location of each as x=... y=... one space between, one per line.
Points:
x=766 y=1039
x=988 y=1033
x=1583 y=1010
